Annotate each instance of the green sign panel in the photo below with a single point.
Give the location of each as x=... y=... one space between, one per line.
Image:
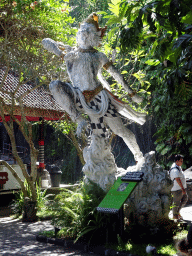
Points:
x=119 y=192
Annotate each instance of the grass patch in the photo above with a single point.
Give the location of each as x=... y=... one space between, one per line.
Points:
x=44 y=214
x=49 y=234
x=167 y=249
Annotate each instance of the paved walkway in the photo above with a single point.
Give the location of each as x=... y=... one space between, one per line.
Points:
x=186 y=213
x=18 y=238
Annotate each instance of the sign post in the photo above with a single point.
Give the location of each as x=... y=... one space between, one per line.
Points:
x=117 y=195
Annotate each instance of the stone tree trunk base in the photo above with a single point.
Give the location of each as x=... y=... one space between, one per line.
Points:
x=150 y=202
x=100 y=165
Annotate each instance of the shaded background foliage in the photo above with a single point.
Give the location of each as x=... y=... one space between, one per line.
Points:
x=162 y=30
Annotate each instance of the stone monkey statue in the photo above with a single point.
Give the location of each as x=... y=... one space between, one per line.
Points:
x=86 y=93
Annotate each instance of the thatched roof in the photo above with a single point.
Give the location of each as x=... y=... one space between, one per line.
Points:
x=37 y=103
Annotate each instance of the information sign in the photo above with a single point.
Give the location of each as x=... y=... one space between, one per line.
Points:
x=119 y=192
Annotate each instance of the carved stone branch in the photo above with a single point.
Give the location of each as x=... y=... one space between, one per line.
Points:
x=100 y=164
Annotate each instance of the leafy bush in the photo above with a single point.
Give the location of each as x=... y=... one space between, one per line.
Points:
x=18 y=203
x=75 y=211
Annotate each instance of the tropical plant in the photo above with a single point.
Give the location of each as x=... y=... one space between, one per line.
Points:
x=81 y=9
x=23 y=25
x=96 y=229
x=161 y=30
x=74 y=211
x=17 y=204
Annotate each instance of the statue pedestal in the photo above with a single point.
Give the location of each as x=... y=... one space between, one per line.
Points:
x=150 y=201
x=100 y=164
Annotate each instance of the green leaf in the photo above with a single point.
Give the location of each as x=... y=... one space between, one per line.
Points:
x=152 y=62
x=187 y=19
x=123 y=10
x=190 y=150
x=85 y=231
x=113 y=20
x=188 y=139
x=112 y=32
x=116 y=2
x=102 y=12
x=185 y=128
x=157 y=108
x=165 y=150
x=160 y=147
x=114 y=8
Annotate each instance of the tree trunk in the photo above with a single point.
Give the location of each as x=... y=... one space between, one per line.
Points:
x=79 y=151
